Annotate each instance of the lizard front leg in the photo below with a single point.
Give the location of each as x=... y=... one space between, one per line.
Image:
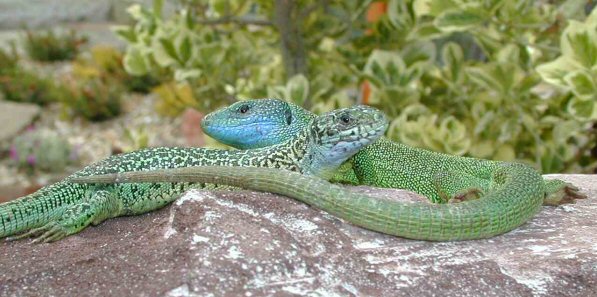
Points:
x=453 y=187
x=99 y=206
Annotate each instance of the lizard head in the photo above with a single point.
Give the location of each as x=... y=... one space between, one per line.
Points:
x=256 y=123
x=336 y=136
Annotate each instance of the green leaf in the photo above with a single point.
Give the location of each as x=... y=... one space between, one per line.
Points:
x=157 y=7
x=298 y=89
x=135 y=11
x=185 y=74
x=584 y=110
x=185 y=49
x=510 y=53
x=582 y=84
x=505 y=153
x=509 y=130
x=483 y=77
x=579 y=41
x=168 y=47
x=452 y=57
x=453 y=134
x=126 y=32
x=418 y=52
x=572 y=9
x=486 y=120
x=385 y=67
x=457 y=20
x=499 y=77
x=134 y=61
x=553 y=72
x=564 y=130
x=482 y=149
x=424 y=31
x=278 y=92
x=399 y=14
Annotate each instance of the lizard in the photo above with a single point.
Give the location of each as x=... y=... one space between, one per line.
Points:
x=66 y=208
x=513 y=192
x=439 y=177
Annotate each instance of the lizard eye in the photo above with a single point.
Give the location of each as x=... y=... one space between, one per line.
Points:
x=243 y=108
x=288 y=117
x=345 y=118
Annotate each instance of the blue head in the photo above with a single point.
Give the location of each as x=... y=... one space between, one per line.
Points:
x=256 y=123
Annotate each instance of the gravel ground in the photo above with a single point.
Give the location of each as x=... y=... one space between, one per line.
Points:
x=95 y=141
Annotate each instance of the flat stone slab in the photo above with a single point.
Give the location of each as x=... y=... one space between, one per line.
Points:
x=15 y=117
x=255 y=244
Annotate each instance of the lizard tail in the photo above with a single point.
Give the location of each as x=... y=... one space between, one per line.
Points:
x=36 y=209
x=516 y=196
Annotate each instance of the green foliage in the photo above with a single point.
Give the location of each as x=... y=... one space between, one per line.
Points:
x=105 y=62
x=49 y=46
x=174 y=98
x=8 y=60
x=42 y=149
x=25 y=86
x=469 y=78
x=136 y=139
x=576 y=69
x=93 y=99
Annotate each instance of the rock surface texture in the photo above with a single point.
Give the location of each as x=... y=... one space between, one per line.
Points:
x=254 y=244
x=15 y=117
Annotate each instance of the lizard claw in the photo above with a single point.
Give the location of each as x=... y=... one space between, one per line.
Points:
x=52 y=232
x=46 y=233
x=565 y=193
x=31 y=233
x=466 y=195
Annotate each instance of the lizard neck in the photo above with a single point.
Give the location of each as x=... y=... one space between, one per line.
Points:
x=289 y=154
x=303 y=153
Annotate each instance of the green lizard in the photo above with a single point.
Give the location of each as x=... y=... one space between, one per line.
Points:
x=66 y=208
x=512 y=192
x=259 y=123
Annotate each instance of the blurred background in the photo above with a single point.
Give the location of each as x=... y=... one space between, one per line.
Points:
x=505 y=80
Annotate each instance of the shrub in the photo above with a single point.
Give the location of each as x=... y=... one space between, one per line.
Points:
x=42 y=149
x=8 y=60
x=25 y=86
x=105 y=62
x=94 y=99
x=489 y=79
x=49 y=46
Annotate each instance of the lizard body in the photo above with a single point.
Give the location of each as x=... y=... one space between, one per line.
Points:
x=65 y=208
x=439 y=177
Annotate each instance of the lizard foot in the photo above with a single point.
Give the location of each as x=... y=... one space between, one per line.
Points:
x=466 y=195
x=74 y=219
x=47 y=233
x=558 y=192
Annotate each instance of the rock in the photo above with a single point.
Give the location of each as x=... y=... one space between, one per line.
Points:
x=191 y=127
x=255 y=244
x=44 y=13
x=15 y=117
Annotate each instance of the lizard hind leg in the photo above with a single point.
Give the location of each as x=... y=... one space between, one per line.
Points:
x=453 y=187
x=100 y=206
x=559 y=192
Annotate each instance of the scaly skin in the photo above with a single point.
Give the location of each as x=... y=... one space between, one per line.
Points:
x=440 y=177
x=66 y=208
x=517 y=197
